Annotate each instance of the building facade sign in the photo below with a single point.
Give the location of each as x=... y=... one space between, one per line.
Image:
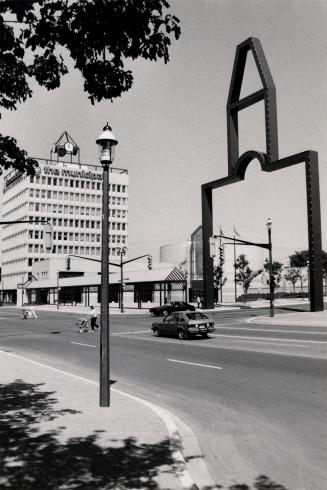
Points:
x=72 y=173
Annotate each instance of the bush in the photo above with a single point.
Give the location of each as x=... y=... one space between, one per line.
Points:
x=266 y=296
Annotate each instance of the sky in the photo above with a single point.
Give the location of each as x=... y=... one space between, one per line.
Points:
x=171 y=126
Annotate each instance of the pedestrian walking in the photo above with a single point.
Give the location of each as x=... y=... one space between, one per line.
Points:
x=93 y=317
x=198 y=300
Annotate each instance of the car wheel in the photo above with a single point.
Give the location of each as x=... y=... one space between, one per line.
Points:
x=204 y=335
x=156 y=332
x=182 y=335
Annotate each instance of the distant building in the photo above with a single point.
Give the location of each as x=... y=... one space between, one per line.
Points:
x=69 y=196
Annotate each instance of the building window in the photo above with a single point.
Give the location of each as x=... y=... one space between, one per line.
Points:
x=71 y=183
x=71 y=223
x=31 y=192
x=60 y=222
x=31 y=179
x=30 y=262
x=98 y=186
x=55 y=180
x=49 y=194
x=65 y=235
x=49 y=180
x=82 y=184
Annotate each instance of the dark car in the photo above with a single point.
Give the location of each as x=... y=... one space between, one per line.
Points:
x=184 y=324
x=170 y=307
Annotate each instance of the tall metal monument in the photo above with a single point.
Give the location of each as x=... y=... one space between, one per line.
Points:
x=269 y=162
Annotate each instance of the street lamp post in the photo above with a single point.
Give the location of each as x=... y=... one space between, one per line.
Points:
x=121 y=252
x=106 y=142
x=271 y=286
x=58 y=290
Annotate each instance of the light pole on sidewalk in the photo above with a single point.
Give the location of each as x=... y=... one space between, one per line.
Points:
x=106 y=143
x=121 y=251
x=58 y=289
x=271 y=278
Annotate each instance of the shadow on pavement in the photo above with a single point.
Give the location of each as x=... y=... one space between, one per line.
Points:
x=34 y=460
x=31 y=460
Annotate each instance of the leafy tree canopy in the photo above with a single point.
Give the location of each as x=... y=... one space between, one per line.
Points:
x=244 y=274
x=99 y=35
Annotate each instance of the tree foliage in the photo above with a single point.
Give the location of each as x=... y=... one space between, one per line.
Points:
x=244 y=274
x=293 y=275
x=99 y=35
x=276 y=271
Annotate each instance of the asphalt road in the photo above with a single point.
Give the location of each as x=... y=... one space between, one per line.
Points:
x=254 y=394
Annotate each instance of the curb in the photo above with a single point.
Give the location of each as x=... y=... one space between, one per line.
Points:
x=170 y=420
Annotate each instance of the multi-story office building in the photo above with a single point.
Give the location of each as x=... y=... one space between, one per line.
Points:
x=69 y=196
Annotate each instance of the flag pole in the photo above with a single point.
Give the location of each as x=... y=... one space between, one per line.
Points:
x=221 y=277
x=235 y=287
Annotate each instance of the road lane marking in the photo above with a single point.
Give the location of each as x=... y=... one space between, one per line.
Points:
x=268 y=338
x=195 y=364
x=85 y=345
x=129 y=333
x=276 y=343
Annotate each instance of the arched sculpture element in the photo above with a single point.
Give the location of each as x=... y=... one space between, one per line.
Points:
x=269 y=162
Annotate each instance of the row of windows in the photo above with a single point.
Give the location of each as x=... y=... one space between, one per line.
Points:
x=72 y=196
x=18 y=195
x=15 y=210
x=75 y=183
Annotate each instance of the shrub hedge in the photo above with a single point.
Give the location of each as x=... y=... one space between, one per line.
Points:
x=260 y=296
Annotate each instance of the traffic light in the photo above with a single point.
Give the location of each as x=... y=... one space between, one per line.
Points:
x=221 y=255
x=273 y=282
x=212 y=245
x=68 y=264
x=149 y=263
x=123 y=286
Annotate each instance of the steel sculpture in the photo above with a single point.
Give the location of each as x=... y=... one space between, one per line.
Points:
x=269 y=162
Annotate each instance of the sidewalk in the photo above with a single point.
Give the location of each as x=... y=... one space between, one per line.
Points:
x=308 y=318
x=57 y=435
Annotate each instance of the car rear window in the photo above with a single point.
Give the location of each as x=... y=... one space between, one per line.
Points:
x=196 y=316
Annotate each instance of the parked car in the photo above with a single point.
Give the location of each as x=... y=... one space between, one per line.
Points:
x=184 y=324
x=170 y=307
